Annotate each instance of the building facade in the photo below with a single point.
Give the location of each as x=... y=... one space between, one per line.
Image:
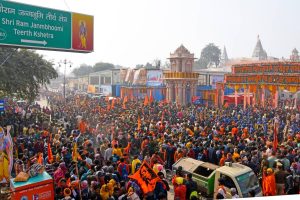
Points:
x=104 y=81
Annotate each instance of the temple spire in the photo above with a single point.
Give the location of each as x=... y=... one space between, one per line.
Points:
x=224 y=56
x=258 y=52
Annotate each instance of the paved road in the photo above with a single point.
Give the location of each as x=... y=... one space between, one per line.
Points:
x=171 y=192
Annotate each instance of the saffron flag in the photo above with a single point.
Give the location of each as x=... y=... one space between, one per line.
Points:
x=75 y=153
x=124 y=102
x=40 y=159
x=112 y=103
x=82 y=126
x=108 y=106
x=146 y=101
x=139 y=123
x=190 y=132
x=151 y=99
x=50 y=155
x=146 y=178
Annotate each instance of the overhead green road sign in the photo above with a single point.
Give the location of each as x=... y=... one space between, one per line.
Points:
x=30 y=26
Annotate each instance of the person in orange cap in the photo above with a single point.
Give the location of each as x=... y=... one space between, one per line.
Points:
x=270 y=183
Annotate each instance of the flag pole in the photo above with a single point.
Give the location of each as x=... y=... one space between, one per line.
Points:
x=75 y=159
x=79 y=185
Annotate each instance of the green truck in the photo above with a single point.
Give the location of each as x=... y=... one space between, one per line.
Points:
x=235 y=175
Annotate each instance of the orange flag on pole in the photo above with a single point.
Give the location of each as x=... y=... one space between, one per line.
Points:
x=146 y=178
x=151 y=97
x=146 y=101
x=50 y=155
x=139 y=123
x=124 y=102
x=82 y=126
x=40 y=159
x=112 y=103
x=108 y=106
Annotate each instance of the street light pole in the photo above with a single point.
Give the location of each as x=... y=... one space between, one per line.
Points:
x=65 y=62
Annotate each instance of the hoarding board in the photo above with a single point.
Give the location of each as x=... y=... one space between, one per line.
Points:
x=154 y=78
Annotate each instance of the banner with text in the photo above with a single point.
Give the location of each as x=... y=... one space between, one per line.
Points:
x=290 y=68
x=263 y=79
x=35 y=27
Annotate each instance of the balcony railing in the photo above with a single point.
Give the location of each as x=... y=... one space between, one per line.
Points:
x=190 y=75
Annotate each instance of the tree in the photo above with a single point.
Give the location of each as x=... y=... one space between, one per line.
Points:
x=101 y=66
x=149 y=66
x=23 y=72
x=84 y=69
x=209 y=54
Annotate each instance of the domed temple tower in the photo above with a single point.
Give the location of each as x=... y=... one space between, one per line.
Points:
x=181 y=81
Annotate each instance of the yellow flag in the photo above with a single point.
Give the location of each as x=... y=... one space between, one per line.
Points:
x=75 y=153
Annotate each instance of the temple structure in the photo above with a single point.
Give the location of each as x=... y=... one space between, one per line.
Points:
x=295 y=55
x=224 y=57
x=259 y=53
x=181 y=81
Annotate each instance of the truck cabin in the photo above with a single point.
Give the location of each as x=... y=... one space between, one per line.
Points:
x=203 y=173
x=240 y=177
x=234 y=175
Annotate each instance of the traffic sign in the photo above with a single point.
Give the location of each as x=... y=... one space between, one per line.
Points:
x=24 y=25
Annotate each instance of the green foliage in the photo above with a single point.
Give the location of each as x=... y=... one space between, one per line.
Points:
x=23 y=72
x=86 y=69
x=101 y=66
x=83 y=70
x=209 y=54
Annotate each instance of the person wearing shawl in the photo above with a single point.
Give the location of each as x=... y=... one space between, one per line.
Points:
x=134 y=164
x=269 y=183
x=235 y=155
x=180 y=191
x=156 y=159
x=104 y=192
x=60 y=172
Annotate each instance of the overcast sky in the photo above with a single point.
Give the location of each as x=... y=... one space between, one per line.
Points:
x=130 y=32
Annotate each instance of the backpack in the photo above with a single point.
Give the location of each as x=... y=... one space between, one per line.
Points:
x=115 y=158
x=124 y=172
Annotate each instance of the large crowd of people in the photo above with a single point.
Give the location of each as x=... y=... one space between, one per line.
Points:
x=97 y=145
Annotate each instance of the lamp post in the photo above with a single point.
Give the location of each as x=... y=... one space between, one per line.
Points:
x=65 y=62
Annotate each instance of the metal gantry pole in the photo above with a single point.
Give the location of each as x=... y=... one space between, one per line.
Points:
x=65 y=62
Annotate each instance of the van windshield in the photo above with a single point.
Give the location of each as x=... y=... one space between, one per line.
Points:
x=248 y=182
